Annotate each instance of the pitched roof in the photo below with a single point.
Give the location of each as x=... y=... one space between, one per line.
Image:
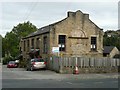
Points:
x=39 y=31
x=47 y=28
x=108 y=49
x=44 y=29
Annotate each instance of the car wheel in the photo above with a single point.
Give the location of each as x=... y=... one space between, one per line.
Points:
x=27 y=69
x=44 y=68
x=31 y=69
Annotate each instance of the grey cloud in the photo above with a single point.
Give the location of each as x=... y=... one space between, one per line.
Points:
x=43 y=13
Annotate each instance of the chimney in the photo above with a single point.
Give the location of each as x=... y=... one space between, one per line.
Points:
x=86 y=16
x=70 y=14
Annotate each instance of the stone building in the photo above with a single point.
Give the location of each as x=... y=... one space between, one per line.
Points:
x=110 y=51
x=76 y=35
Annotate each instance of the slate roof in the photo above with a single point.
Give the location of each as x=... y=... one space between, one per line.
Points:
x=108 y=49
x=46 y=29
x=42 y=30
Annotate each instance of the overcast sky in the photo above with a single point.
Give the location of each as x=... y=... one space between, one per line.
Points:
x=104 y=14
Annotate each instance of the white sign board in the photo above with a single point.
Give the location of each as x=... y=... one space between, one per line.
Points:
x=55 y=49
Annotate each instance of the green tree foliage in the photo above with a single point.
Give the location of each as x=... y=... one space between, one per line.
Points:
x=7 y=59
x=12 y=39
x=23 y=29
x=114 y=40
x=12 y=44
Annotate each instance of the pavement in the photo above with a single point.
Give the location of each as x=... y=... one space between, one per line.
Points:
x=19 y=78
x=47 y=74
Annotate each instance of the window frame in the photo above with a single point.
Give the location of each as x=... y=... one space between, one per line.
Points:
x=24 y=45
x=93 y=43
x=45 y=48
x=37 y=42
x=32 y=43
x=62 y=42
x=28 y=45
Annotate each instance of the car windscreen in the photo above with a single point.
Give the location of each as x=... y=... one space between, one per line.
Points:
x=38 y=60
x=11 y=62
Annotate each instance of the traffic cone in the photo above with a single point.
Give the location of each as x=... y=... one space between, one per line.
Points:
x=76 y=71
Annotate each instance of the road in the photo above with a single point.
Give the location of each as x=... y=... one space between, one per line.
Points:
x=19 y=78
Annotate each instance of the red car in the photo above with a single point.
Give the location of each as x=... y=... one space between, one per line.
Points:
x=11 y=64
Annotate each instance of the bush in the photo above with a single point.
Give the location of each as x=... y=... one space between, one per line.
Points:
x=22 y=63
x=7 y=59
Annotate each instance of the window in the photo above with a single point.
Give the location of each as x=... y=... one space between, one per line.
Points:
x=27 y=45
x=45 y=44
x=37 y=43
x=32 y=43
x=93 y=43
x=61 y=42
x=24 y=46
x=38 y=60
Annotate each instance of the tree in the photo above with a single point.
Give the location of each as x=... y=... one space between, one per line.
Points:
x=114 y=40
x=23 y=29
x=12 y=39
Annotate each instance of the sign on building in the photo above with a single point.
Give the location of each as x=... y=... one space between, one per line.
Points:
x=55 y=49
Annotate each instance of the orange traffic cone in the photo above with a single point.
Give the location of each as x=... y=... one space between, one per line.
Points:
x=76 y=71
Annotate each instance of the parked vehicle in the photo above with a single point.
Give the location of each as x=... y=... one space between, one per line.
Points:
x=36 y=63
x=17 y=62
x=11 y=64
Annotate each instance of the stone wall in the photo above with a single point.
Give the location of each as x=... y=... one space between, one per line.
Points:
x=78 y=29
x=40 y=46
x=114 y=52
x=69 y=70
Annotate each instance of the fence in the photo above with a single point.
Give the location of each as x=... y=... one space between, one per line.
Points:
x=59 y=64
x=89 y=62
